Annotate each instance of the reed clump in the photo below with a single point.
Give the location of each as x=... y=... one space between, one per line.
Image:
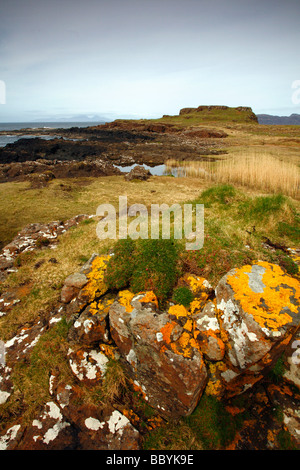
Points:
x=254 y=170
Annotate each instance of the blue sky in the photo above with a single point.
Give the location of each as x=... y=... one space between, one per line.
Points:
x=147 y=58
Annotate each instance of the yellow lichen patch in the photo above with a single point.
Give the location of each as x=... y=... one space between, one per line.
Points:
x=178 y=311
x=96 y=285
x=188 y=325
x=196 y=283
x=198 y=303
x=278 y=288
x=125 y=298
x=102 y=306
x=215 y=385
x=185 y=345
x=149 y=297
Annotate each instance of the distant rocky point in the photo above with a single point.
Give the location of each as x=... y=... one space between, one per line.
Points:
x=293 y=119
x=220 y=112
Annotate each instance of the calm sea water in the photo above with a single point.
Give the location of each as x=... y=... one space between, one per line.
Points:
x=15 y=126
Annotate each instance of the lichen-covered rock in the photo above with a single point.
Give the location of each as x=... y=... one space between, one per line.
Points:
x=11 y=437
x=259 y=314
x=89 y=366
x=85 y=287
x=96 y=428
x=292 y=361
x=111 y=432
x=209 y=336
x=92 y=324
x=50 y=431
x=163 y=357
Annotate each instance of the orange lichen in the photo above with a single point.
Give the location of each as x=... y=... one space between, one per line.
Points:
x=150 y=297
x=166 y=331
x=125 y=298
x=234 y=410
x=108 y=350
x=215 y=385
x=277 y=292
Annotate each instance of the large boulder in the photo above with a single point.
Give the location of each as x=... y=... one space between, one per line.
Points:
x=138 y=173
x=259 y=314
x=161 y=354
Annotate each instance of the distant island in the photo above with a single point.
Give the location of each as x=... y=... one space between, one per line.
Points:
x=293 y=119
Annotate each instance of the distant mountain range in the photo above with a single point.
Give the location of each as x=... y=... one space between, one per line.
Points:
x=293 y=119
x=99 y=118
x=77 y=118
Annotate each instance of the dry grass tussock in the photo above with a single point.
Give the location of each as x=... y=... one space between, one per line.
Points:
x=260 y=171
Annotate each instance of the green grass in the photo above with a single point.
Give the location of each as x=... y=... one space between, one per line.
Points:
x=209 y=427
x=144 y=265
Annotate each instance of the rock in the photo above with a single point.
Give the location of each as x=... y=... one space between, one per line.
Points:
x=138 y=173
x=31 y=237
x=292 y=361
x=259 y=314
x=50 y=431
x=92 y=324
x=289 y=403
x=6 y=385
x=162 y=356
x=209 y=336
x=96 y=428
x=20 y=346
x=68 y=293
x=88 y=366
x=112 y=432
x=11 y=437
x=95 y=286
x=77 y=280
x=91 y=277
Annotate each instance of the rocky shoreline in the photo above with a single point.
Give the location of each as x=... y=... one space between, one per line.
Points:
x=94 y=151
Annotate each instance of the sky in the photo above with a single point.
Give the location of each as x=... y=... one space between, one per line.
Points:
x=146 y=58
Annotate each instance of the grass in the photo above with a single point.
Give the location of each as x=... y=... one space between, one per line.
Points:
x=237 y=220
x=209 y=427
x=144 y=265
x=63 y=199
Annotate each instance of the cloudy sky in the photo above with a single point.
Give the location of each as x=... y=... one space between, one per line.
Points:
x=147 y=57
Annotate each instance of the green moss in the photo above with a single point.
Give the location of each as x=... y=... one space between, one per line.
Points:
x=144 y=265
x=121 y=265
x=183 y=296
x=213 y=425
x=285 y=441
x=277 y=371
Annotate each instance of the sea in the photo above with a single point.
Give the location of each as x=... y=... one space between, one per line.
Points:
x=16 y=126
